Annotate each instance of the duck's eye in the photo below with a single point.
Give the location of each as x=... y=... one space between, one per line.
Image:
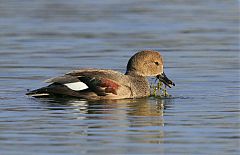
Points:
x=157 y=63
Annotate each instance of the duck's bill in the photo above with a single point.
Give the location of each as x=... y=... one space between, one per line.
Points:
x=163 y=78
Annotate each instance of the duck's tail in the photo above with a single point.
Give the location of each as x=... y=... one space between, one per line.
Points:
x=41 y=92
x=56 y=90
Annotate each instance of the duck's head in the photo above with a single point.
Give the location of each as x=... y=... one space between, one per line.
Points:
x=148 y=63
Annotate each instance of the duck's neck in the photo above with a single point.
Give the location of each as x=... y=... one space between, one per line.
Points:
x=133 y=73
x=136 y=76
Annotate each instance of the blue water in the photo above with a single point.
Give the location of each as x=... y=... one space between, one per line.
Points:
x=200 y=44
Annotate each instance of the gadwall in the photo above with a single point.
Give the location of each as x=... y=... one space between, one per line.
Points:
x=97 y=84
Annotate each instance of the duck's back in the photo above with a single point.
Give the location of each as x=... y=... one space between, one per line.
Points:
x=88 y=84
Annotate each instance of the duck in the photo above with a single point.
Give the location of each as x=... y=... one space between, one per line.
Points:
x=106 y=84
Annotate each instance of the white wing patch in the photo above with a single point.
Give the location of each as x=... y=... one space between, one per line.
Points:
x=76 y=86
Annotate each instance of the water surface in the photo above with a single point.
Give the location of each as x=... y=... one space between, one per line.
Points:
x=198 y=39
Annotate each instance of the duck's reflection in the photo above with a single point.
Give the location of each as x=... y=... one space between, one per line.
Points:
x=141 y=118
x=133 y=107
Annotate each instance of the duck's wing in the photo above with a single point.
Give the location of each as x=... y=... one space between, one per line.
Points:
x=79 y=82
x=74 y=75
